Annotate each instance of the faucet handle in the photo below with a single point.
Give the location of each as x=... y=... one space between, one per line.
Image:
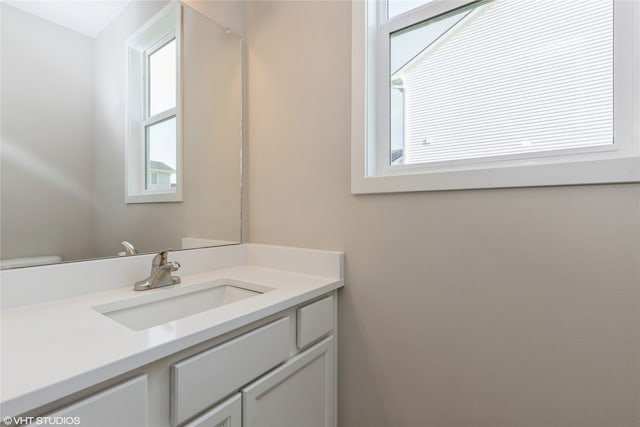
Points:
x=161 y=257
x=129 y=248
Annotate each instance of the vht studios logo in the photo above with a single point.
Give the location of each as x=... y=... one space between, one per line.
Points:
x=17 y=421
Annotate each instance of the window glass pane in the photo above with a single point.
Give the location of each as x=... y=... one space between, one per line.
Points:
x=162 y=78
x=161 y=155
x=396 y=7
x=504 y=77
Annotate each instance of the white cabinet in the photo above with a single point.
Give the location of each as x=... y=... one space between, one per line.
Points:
x=201 y=380
x=123 y=405
x=299 y=393
x=278 y=372
x=226 y=414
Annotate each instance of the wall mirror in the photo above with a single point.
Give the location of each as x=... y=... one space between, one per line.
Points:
x=68 y=113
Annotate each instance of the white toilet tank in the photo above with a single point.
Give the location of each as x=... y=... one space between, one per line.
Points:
x=29 y=261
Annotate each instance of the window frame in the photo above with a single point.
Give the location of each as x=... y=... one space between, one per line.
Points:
x=371 y=172
x=159 y=31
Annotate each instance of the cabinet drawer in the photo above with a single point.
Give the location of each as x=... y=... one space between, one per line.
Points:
x=203 y=379
x=226 y=414
x=314 y=321
x=122 y=405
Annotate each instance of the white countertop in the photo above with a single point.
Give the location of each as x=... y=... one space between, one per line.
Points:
x=58 y=347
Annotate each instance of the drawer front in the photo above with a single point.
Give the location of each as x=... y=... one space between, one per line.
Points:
x=226 y=414
x=122 y=405
x=203 y=379
x=314 y=321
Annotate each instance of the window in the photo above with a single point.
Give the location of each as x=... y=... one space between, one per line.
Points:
x=153 y=147
x=494 y=93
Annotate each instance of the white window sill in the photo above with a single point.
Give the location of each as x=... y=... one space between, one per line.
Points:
x=619 y=170
x=154 y=197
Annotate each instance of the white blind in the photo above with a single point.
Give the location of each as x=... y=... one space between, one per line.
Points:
x=513 y=77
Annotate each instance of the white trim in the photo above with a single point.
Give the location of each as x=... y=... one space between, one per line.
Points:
x=160 y=117
x=541 y=175
x=583 y=166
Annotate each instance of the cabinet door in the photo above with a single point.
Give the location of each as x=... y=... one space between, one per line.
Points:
x=122 y=405
x=226 y=414
x=299 y=393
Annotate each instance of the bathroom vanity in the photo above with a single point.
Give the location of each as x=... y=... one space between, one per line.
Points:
x=247 y=339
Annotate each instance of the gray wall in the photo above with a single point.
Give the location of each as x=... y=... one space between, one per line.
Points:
x=46 y=124
x=211 y=144
x=212 y=92
x=116 y=221
x=468 y=308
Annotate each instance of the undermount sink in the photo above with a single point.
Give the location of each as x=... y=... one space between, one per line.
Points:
x=168 y=304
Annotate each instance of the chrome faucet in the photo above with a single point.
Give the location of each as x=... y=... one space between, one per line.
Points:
x=160 y=273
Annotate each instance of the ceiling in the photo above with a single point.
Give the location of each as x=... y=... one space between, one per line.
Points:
x=88 y=17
